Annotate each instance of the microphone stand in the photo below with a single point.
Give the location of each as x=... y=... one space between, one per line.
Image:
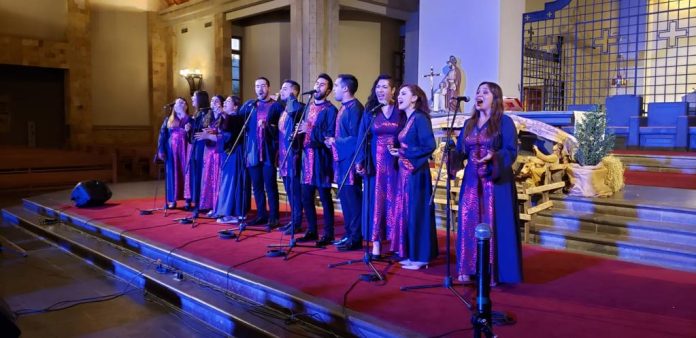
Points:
x=482 y=318
x=147 y=212
x=229 y=233
x=447 y=282
x=367 y=257
x=277 y=252
x=242 y=222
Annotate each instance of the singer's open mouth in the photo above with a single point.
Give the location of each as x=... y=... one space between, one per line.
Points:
x=479 y=101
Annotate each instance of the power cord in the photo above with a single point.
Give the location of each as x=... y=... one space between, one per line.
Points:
x=66 y=304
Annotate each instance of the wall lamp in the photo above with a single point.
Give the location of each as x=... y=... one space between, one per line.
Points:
x=193 y=77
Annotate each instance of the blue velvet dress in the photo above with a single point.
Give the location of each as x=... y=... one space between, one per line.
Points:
x=234 y=198
x=414 y=236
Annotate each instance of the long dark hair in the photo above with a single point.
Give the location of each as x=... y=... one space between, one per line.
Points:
x=372 y=99
x=202 y=99
x=496 y=111
x=422 y=101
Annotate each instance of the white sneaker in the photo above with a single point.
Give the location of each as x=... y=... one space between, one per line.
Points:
x=415 y=265
x=405 y=262
x=465 y=279
x=228 y=220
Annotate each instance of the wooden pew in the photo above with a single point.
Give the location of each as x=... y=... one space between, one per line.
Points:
x=30 y=169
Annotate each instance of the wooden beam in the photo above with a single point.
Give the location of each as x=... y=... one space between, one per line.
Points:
x=539 y=207
x=376 y=9
x=542 y=188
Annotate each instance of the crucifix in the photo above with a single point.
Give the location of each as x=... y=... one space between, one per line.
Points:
x=431 y=76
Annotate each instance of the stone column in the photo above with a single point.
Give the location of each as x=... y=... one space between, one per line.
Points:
x=314 y=29
x=160 y=36
x=79 y=81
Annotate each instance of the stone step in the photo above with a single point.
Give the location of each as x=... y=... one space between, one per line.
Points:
x=226 y=316
x=623 y=208
x=659 y=163
x=91 y=238
x=627 y=227
x=671 y=255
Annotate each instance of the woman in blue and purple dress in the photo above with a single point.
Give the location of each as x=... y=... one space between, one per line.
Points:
x=376 y=164
x=172 y=148
x=194 y=169
x=234 y=195
x=488 y=142
x=414 y=236
x=210 y=180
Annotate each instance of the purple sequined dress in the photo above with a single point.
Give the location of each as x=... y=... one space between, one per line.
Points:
x=210 y=182
x=173 y=148
x=491 y=200
x=379 y=187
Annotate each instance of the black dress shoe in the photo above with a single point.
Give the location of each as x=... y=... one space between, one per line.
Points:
x=258 y=221
x=341 y=241
x=325 y=240
x=308 y=237
x=350 y=246
x=272 y=224
x=294 y=229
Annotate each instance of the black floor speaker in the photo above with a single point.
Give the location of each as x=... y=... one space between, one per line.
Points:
x=90 y=194
x=8 y=326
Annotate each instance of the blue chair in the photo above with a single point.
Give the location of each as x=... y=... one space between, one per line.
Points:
x=620 y=110
x=667 y=126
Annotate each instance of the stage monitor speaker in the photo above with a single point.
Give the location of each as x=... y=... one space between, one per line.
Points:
x=8 y=326
x=90 y=194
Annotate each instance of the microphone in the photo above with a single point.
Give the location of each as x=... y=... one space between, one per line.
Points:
x=168 y=105
x=310 y=92
x=460 y=98
x=377 y=107
x=482 y=318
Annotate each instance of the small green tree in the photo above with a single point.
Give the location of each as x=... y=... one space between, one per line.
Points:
x=594 y=143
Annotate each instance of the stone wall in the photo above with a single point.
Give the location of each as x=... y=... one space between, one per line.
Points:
x=73 y=55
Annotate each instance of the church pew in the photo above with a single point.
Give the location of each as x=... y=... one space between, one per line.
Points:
x=27 y=169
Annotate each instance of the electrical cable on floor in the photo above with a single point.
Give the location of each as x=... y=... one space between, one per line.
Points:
x=75 y=302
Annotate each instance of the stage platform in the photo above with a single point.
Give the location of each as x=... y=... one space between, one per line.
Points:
x=235 y=288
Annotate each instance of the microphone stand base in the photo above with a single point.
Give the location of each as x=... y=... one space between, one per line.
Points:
x=276 y=253
x=370 y=277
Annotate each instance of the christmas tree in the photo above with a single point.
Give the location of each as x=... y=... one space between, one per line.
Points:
x=594 y=143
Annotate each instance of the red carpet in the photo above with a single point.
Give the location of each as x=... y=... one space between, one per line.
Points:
x=564 y=294
x=655 y=179
x=653 y=152
x=658 y=179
